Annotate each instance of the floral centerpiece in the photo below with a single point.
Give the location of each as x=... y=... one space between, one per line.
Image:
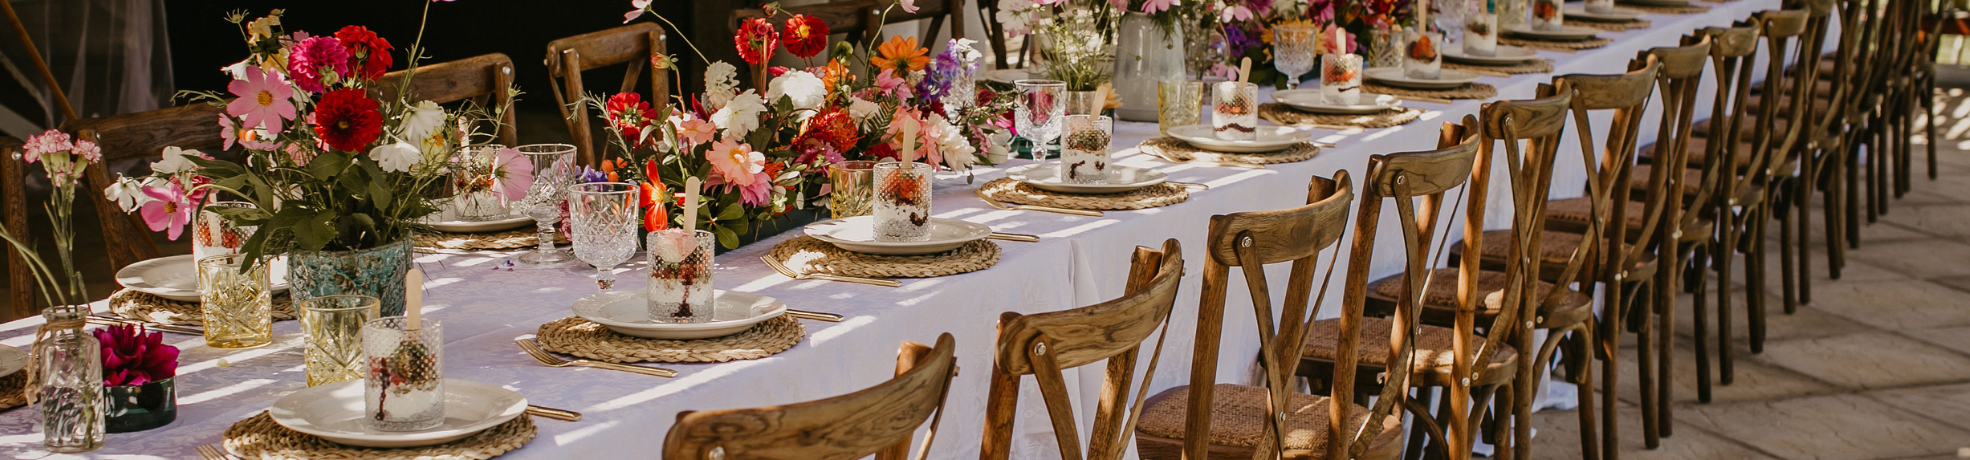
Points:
x=1248 y=28
x=761 y=154
x=137 y=375
x=339 y=168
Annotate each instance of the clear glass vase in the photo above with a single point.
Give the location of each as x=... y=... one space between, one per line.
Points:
x=1145 y=54
x=71 y=397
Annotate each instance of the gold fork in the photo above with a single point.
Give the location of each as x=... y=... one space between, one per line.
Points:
x=541 y=354
x=1220 y=161
x=1027 y=207
x=1014 y=237
x=557 y=414
x=213 y=452
x=788 y=272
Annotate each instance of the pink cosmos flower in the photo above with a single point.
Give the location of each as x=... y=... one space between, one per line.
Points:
x=638 y=12
x=519 y=173
x=263 y=100
x=312 y=62
x=735 y=163
x=892 y=85
x=1152 y=6
x=910 y=6
x=168 y=211
x=695 y=131
x=1235 y=13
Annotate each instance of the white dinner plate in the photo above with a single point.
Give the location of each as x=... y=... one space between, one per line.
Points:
x=1008 y=76
x=856 y=234
x=1309 y=100
x=335 y=412
x=446 y=220
x=176 y=277
x=1659 y=2
x=1505 y=55
x=1566 y=33
x=1449 y=78
x=1618 y=15
x=1271 y=139
x=628 y=313
x=1046 y=176
x=12 y=360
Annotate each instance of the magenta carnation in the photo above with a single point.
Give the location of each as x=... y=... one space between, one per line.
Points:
x=133 y=356
x=313 y=62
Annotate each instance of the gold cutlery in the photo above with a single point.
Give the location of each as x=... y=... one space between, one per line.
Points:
x=814 y=315
x=1425 y=99
x=1191 y=185
x=1013 y=237
x=213 y=452
x=548 y=359
x=788 y=272
x=1493 y=73
x=1220 y=161
x=557 y=414
x=1027 y=207
x=101 y=321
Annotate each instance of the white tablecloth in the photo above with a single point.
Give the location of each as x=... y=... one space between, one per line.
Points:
x=1079 y=261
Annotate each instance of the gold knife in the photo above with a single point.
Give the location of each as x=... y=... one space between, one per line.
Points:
x=1026 y=207
x=1014 y=237
x=814 y=315
x=557 y=414
x=98 y=320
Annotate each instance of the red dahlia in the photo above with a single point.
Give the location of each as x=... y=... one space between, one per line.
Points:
x=834 y=127
x=756 y=40
x=347 y=120
x=806 y=35
x=629 y=113
x=368 y=54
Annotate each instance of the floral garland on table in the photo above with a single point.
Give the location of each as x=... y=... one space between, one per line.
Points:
x=329 y=163
x=1248 y=27
x=763 y=154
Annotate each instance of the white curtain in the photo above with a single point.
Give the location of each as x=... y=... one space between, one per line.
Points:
x=110 y=56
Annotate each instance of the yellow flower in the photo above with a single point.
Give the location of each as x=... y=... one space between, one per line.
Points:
x=901 y=53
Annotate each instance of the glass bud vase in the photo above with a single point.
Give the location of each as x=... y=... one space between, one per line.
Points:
x=1145 y=54
x=71 y=396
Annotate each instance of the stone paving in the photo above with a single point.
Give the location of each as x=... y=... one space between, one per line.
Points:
x=1876 y=367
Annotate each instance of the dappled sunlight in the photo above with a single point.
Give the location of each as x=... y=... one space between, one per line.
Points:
x=228 y=390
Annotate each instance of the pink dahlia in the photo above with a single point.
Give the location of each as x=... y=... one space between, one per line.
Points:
x=263 y=100
x=316 y=62
x=736 y=163
x=134 y=356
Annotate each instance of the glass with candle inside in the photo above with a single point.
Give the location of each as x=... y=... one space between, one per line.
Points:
x=680 y=275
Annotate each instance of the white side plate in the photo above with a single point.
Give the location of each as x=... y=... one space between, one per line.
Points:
x=628 y=313
x=1271 y=139
x=335 y=412
x=1618 y=15
x=856 y=234
x=1309 y=100
x=176 y=277
x=1566 y=33
x=445 y=220
x=12 y=360
x=1506 y=55
x=1447 y=79
x=1046 y=176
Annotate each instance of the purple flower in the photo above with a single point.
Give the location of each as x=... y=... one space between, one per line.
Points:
x=590 y=175
x=133 y=356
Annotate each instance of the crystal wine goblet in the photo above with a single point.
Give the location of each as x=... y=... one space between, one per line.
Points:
x=1041 y=106
x=553 y=171
x=604 y=215
x=1292 y=51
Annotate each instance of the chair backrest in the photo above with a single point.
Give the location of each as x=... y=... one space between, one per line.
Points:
x=485 y=79
x=879 y=420
x=1406 y=178
x=1680 y=77
x=1250 y=241
x=132 y=136
x=861 y=20
x=1044 y=344
x=634 y=44
x=1733 y=53
x=1531 y=131
x=1627 y=96
x=995 y=33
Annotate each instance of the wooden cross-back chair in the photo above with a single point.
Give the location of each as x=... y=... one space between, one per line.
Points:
x=1206 y=419
x=13 y=201
x=1044 y=344
x=879 y=420
x=635 y=45
x=1439 y=357
x=862 y=21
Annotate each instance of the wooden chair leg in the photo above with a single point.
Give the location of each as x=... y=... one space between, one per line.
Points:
x=1645 y=357
x=1929 y=121
x=1583 y=351
x=1522 y=402
x=1790 y=262
x=1700 y=318
x=1850 y=206
x=1726 y=250
x=1754 y=277
x=1665 y=335
x=1427 y=397
x=1802 y=220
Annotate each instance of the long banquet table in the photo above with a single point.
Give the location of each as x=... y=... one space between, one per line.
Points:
x=1079 y=261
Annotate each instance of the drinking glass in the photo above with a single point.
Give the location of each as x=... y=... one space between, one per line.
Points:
x=404 y=383
x=1481 y=33
x=1548 y=15
x=1420 y=58
x=1178 y=103
x=1448 y=17
x=1292 y=51
x=1235 y=111
x=680 y=276
x=333 y=325
x=605 y=222
x=213 y=235
x=852 y=186
x=1036 y=116
x=238 y=306
x=1084 y=151
x=903 y=200
x=1511 y=14
x=553 y=171
x=1340 y=79
x=473 y=176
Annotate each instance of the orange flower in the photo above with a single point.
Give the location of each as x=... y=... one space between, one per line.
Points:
x=609 y=167
x=901 y=53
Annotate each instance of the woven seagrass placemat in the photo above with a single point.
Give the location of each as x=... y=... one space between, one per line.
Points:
x=1468 y=91
x=808 y=255
x=1287 y=115
x=141 y=306
x=1556 y=45
x=259 y=437
x=1532 y=66
x=1174 y=150
x=1686 y=9
x=1015 y=192
x=579 y=337
x=521 y=238
x=12 y=388
x=1622 y=26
